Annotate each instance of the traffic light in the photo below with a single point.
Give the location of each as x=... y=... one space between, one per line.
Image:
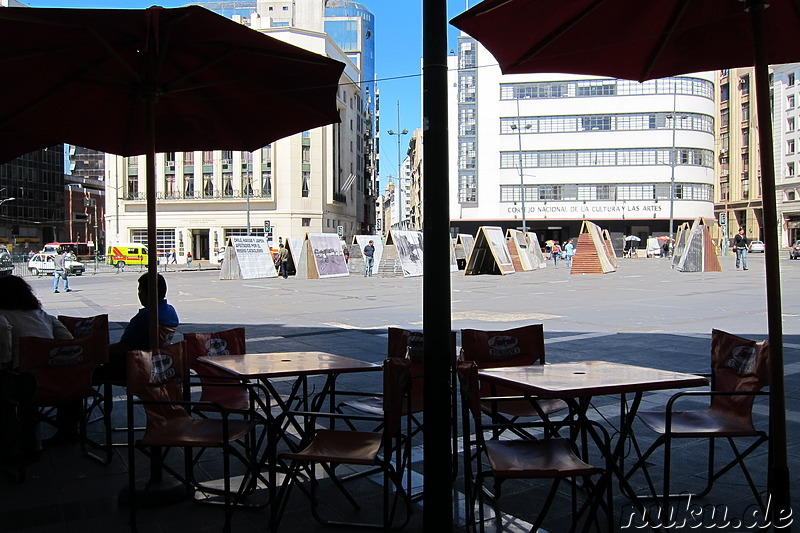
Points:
x=267 y=229
x=723 y=219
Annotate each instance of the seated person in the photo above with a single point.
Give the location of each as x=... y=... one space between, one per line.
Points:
x=137 y=334
x=21 y=315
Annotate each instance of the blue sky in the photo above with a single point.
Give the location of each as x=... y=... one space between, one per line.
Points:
x=398 y=39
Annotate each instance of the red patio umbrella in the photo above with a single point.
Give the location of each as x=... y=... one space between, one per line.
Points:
x=135 y=82
x=642 y=40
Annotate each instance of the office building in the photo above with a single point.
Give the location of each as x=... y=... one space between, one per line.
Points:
x=628 y=156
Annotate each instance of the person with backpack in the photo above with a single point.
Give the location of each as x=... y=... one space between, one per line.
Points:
x=555 y=253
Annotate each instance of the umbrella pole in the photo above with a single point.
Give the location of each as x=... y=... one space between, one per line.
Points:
x=778 y=477
x=437 y=512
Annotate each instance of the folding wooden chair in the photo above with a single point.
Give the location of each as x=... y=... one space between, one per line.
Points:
x=740 y=369
x=549 y=458
x=209 y=345
x=408 y=343
x=512 y=347
x=388 y=449
x=156 y=382
x=63 y=369
x=96 y=327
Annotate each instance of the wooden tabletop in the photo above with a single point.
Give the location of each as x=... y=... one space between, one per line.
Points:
x=281 y=364
x=590 y=378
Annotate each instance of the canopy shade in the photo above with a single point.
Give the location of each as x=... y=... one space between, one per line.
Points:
x=85 y=76
x=629 y=39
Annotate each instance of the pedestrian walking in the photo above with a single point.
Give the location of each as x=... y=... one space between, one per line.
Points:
x=740 y=244
x=173 y=257
x=569 y=250
x=60 y=270
x=283 y=258
x=555 y=253
x=369 y=258
x=188 y=259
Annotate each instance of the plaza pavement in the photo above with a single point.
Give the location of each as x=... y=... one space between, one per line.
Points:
x=645 y=313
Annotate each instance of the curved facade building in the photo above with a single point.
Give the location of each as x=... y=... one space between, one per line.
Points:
x=580 y=147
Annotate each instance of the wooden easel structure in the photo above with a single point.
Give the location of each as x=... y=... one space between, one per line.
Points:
x=356 y=263
x=463 y=247
x=695 y=250
x=490 y=254
x=592 y=251
x=519 y=248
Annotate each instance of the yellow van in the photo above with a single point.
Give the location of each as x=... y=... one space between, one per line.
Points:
x=129 y=253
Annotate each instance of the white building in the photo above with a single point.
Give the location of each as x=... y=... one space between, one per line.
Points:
x=315 y=181
x=786 y=131
x=590 y=148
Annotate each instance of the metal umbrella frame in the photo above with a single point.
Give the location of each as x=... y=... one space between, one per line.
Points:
x=132 y=82
x=637 y=40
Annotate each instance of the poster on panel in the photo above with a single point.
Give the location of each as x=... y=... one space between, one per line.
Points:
x=497 y=241
x=363 y=240
x=535 y=250
x=409 y=251
x=254 y=257
x=328 y=255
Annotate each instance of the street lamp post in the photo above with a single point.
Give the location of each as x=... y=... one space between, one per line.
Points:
x=673 y=163
x=518 y=127
x=399 y=134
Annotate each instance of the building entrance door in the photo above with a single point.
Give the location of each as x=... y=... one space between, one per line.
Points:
x=200 y=243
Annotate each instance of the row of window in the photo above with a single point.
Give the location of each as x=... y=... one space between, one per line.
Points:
x=604 y=87
x=173 y=190
x=226 y=157
x=608 y=192
x=619 y=122
x=594 y=158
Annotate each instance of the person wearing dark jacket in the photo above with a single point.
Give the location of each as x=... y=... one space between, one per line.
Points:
x=369 y=258
x=740 y=245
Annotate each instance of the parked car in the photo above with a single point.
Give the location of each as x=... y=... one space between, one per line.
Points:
x=756 y=247
x=6 y=264
x=43 y=264
x=794 y=251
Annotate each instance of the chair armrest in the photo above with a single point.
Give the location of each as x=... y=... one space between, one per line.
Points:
x=335 y=416
x=675 y=397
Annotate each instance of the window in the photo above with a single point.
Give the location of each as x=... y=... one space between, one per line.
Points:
x=467 y=188
x=790 y=146
x=188 y=158
x=165 y=239
x=596 y=122
x=790 y=170
x=208 y=157
x=188 y=185
x=790 y=101
x=247 y=184
x=745 y=112
x=133 y=187
x=744 y=84
x=306 y=154
x=306 y=222
x=790 y=79
x=550 y=192
x=306 y=184
x=724 y=92
x=227 y=184
x=208 y=185
x=169 y=186
x=790 y=124
x=266 y=183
